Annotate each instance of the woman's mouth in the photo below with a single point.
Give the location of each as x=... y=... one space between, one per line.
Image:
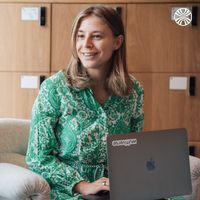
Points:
x=89 y=55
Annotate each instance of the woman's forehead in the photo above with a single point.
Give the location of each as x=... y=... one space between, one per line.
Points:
x=92 y=23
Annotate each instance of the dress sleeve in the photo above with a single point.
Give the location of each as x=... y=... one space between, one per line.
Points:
x=43 y=145
x=137 y=121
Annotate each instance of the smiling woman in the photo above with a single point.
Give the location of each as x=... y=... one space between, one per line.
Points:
x=98 y=43
x=76 y=109
x=95 y=44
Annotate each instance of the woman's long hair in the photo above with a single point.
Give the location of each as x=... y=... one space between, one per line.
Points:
x=118 y=81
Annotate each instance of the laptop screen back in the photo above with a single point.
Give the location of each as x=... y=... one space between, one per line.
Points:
x=149 y=165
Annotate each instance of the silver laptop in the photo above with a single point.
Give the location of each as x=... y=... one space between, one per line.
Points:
x=148 y=166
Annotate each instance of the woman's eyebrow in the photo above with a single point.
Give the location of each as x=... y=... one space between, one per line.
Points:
x=81 y=31
x=97 y=32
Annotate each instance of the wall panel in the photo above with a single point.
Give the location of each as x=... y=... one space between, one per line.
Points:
x=15 y=101
x=168 y=109
x=157 y=44
x=24 y=45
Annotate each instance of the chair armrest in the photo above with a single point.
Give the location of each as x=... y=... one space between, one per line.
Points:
x=195 y=174
x=19 y=183
x=195 y=177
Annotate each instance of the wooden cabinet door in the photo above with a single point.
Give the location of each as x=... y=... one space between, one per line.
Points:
x=24 y=44
x=63 y=16
x=168 y=109
x=158 y=48
x=155 y=43
x=16 y=101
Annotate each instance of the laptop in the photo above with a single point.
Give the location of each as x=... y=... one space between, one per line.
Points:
x=147 y=166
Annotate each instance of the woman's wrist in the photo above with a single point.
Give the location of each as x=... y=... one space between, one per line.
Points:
x=79 y=187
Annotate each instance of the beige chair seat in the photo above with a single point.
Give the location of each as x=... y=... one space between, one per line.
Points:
x=16 y=181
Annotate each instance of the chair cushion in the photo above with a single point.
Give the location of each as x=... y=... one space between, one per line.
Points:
x=195 y=176
x=14 y=135
x=13 y=158
x=18 y=183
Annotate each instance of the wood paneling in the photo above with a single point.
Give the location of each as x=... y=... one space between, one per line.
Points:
x=157 y=48
x=15 y=101
x=24 y=45
x=157 y=44
x=99 y=1
x=63 y=16
x=165 y=109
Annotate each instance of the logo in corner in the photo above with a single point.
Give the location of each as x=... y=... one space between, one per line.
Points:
x=183 y=16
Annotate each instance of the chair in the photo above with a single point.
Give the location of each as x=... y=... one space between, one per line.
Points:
x=17 y=182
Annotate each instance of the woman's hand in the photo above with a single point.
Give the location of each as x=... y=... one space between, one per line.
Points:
x=86 y=188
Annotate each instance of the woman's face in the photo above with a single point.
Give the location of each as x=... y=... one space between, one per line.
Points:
x=95 y=43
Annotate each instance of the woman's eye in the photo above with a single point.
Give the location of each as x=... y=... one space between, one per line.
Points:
x=80 y=36
x=97 y=37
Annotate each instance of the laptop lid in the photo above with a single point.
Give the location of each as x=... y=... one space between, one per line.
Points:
x=149 y=165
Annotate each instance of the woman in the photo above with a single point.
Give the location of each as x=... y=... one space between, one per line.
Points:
x=76 y=109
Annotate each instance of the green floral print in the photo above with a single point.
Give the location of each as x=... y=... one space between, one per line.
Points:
x=67 y=141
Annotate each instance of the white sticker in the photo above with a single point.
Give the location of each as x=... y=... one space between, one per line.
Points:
x=29 y=13
x=178 y=83
x=126 y=142
x=29 y=82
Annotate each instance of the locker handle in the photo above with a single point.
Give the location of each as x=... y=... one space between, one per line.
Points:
x=119 y=10
x=42 y=78
x=192 y=85
x=42 y=16
x=194 y=15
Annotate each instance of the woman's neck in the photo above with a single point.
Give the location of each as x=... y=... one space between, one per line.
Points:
x=98 y=85
x=98 y=77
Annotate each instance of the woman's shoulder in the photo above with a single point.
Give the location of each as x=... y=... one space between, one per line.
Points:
x=56 y=80
x=137 y=87
x=57 y=77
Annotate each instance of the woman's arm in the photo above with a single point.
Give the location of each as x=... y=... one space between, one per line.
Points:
x=43 y=145
x=137 y=120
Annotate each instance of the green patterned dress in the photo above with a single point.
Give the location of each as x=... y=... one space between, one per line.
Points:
x=67 y=141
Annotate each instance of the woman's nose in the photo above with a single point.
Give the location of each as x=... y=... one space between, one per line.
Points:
x=88 y=42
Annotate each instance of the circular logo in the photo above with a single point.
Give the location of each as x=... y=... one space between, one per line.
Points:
x=183 y=16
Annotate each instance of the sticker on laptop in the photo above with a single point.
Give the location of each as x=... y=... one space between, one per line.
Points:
x=126 y=142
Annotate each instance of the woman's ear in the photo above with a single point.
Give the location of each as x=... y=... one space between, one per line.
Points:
x=118 y=42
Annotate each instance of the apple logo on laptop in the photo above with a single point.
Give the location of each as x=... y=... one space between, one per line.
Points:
x=151 y=165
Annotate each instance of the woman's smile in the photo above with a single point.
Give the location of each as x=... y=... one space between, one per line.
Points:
x=89 y=55
x=95 y=44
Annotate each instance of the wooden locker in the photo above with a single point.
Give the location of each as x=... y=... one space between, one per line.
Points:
x=168 y=109
x=155 y=43
x=15 y=101
x=24 y=44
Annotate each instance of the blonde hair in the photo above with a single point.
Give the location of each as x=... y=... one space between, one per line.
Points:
x=118 y=81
